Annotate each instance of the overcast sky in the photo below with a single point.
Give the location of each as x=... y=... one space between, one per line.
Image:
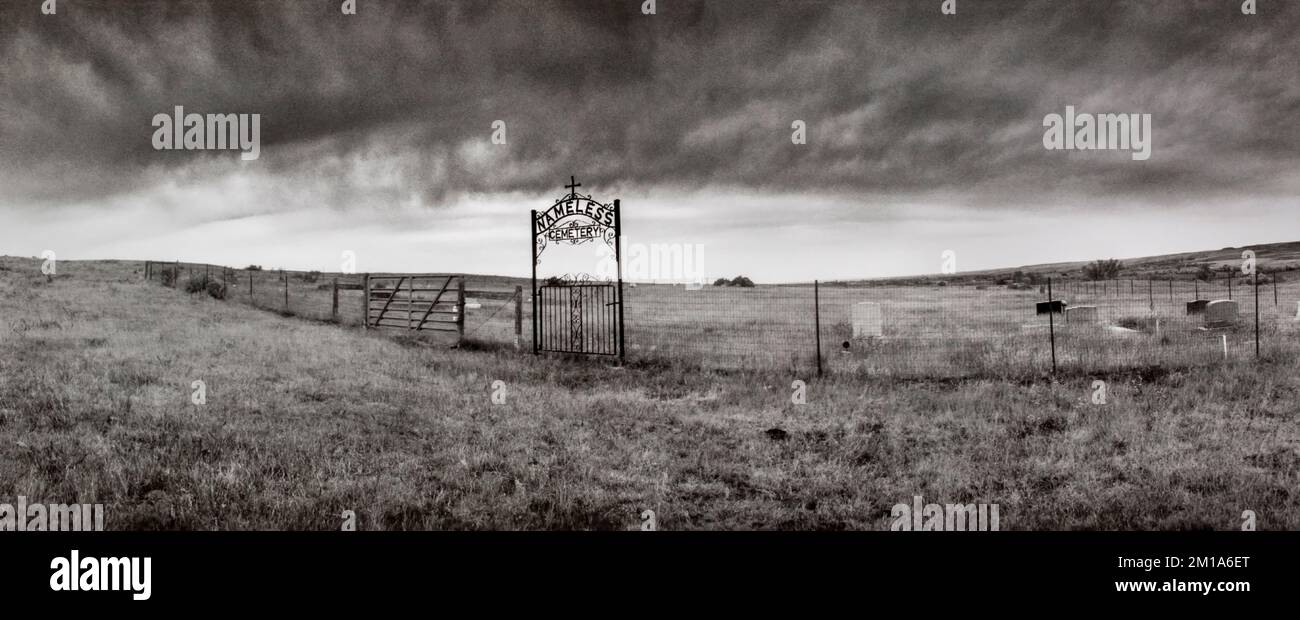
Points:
x=924 y=130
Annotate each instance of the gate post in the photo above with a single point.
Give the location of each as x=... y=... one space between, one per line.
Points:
x=460 y=309
x=618 y=257
x=365 y=303
x=532 y=242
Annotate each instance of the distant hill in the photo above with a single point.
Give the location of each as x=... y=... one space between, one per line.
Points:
x=1269 y=257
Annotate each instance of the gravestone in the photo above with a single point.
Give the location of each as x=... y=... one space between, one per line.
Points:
x=867 y=320
x=1081 y=314
x=1045 y=307
x=1197 y=307
x=1221 y=313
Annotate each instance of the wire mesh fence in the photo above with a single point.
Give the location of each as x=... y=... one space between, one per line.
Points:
x=879 y=328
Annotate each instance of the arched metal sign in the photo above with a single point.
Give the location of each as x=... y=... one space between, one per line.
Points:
x=578 y=315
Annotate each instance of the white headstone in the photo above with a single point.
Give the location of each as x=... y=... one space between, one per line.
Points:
x=867 y=320
x=1221 y=312
x=1081 y=314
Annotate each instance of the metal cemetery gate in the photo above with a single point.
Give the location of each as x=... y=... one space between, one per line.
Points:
x=430 y=302
x=578 y=318
x=579 y=314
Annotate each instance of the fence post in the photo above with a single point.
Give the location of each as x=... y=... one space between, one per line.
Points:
x=176 y=276
x=207 y=272
x=1196 y=285
x=334 y=310
x=250 y=288
x=1171 y=291
x=1229 y=287
x=1051 y=323
x=285 y=277
x=1151 y=296
x=460 y=309
x=365 y=303
x=817 y=323
x=1275 y=277
x=1256 y=277
x=519 y=314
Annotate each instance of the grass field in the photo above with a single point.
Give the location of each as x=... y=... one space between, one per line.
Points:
x=305 y=419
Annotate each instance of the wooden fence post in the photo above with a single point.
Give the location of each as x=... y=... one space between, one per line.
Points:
x=460 y=309
x=176 y=277
x=365 y=303
x=286 y=290
x=519 y=314
x=250 y=288
x=334 y=311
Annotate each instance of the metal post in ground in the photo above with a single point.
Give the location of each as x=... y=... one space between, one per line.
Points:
x=1051 y=323
x=817 y=323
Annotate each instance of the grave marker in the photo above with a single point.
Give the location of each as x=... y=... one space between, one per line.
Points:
x=1046 y=307
x=1197 y=307
x=1081 y=314
x=1221 y=313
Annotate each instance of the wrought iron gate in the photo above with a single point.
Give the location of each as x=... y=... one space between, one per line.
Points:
x=578 y=318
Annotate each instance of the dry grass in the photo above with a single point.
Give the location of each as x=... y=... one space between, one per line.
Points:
x=305 y=420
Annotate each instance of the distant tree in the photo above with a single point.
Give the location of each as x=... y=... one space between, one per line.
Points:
x=556 y=281
x=721 y=282
x=742 y=281
x=1018 y=276
x=1103 y=269
x=253 y=268
x=1205 y=274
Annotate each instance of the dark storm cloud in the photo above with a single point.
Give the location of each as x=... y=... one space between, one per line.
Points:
x=896 y=97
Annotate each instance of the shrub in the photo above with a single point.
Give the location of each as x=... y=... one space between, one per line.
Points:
x=742 y=281
x=167 y=276
x=204 y=284
x=311 y=276
x=253 y=268
x=1103 y=269
x=217 y=289
x=1204 y=274
x=721 y=282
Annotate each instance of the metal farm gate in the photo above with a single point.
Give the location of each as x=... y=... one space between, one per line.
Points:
x=428 y=302
x=578 y=318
